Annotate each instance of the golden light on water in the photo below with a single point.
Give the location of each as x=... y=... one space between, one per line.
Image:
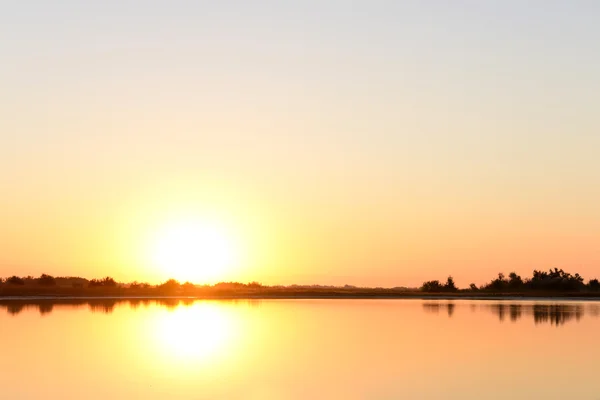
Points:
x=196 y=333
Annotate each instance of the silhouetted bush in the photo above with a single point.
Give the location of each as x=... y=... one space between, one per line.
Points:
x=109 y=282
x=436 y=287
x=170 y=285
x=498 y=284
x=106 y=282
x=432 y=286
x=594 y=285
x=46 y=280
x=15 y=280
x=188 y=287
x=514 y=281
x=229 y=285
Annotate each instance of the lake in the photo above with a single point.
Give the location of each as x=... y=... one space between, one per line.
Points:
x=299 y=349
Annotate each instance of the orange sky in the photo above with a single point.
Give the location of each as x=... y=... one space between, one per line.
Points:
x=381 y=147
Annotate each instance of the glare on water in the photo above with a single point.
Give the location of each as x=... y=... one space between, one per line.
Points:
x=297 y=349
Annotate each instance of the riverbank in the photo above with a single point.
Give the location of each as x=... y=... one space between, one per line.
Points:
x=318 y=296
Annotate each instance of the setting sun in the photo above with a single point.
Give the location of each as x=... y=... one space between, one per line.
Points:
x=195 y=251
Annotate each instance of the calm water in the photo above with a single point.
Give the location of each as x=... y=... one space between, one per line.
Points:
x=300 y=349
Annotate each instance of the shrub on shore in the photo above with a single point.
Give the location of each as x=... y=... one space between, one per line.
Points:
x=106 y=282
x=435 y=286
x=46 y=280
x=171 y=285
x=15 y=280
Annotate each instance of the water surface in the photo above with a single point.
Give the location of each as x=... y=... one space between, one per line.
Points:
x=299 y=349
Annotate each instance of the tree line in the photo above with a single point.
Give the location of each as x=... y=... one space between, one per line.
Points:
x=551 y=280
x=49 y=280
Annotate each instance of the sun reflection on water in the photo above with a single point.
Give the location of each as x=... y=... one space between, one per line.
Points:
x=196 y=333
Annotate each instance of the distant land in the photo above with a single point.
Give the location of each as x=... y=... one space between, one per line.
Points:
x=553 y=283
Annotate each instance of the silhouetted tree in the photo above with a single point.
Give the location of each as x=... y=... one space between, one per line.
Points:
x=46 y=280
x=555 y=279
x=105 y=282
x=514 y=281
x=450 y=286
x=594 y=284
x=94 y=283
x=188 y=287
x=498 y=284
x=170 y=285
x=15 y=280
x=432 y=286
x=109 y=282
x=473 y=287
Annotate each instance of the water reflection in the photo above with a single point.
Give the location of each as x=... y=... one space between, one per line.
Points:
x=103 y=306
x=298 y=349
x=541 y=313
x=554 y=314
x=14 y=308
x=435 y=307
x=46 y=308
x=450 y=308
x=194 y=332
x=504 y=311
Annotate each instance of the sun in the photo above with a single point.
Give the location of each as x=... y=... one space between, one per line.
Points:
x=195 y=251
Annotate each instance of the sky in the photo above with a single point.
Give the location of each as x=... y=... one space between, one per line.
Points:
x=376 y=143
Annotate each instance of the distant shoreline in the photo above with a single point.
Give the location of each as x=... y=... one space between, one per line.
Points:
x=553 y=284
x=323 y=296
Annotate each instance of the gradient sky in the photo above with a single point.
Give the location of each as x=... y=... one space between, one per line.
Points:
x=369 y=143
